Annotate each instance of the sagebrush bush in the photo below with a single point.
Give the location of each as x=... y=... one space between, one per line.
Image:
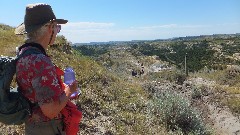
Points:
x=176 y=114
x=198 y=91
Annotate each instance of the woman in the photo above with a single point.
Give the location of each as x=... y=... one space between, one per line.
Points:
x=40 y=80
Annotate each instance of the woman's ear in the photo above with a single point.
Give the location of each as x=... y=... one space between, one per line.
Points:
x=50 y=28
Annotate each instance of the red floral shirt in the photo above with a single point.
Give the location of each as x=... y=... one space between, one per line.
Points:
x=40 y=81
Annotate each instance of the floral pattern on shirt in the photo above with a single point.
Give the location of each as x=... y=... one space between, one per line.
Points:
x=39 y=81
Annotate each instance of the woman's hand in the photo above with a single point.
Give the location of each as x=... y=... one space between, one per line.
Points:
x=71 y=88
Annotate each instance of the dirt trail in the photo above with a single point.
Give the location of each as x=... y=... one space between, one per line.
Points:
x=224 y=122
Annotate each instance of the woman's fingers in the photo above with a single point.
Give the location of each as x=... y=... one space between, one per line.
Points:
x=73 y=86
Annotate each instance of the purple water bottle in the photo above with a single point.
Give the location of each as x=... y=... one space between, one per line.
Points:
x=69 y=77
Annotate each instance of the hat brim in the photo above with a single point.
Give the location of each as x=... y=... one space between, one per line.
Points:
x=22 y=29
x=60 y=21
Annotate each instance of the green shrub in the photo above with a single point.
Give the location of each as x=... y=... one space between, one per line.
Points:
x=176 y=114
x=175 y=76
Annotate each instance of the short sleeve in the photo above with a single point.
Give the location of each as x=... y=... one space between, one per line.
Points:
x=45 y=81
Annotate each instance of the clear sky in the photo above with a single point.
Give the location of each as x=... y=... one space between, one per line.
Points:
x=124 y=20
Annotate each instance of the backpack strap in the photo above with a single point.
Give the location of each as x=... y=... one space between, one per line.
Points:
x=36 y=45
x=34 y=48
x=31 y=50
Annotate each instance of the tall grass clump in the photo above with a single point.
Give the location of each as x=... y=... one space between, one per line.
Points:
x=8 y=40
x=176 y=114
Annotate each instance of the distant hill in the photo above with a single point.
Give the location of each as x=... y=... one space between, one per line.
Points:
x=201 y=37
x=211 y=51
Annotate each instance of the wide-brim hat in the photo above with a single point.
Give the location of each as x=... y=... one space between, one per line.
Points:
x=36 y=16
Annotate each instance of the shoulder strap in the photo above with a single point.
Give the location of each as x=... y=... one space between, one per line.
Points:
x=31 y=50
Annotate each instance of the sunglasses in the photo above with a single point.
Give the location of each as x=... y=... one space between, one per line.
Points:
x=58 y=27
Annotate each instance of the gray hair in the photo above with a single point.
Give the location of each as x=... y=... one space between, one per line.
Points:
x=37 y=34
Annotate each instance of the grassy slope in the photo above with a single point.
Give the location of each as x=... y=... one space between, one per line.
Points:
x=8 y=41
x=109 y=104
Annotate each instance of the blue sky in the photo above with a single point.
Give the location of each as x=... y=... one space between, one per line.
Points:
x=124 y=20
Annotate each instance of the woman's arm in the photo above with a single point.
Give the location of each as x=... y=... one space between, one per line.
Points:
x=52 y=109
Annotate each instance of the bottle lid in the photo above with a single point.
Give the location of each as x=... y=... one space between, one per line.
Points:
x=69 y=69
